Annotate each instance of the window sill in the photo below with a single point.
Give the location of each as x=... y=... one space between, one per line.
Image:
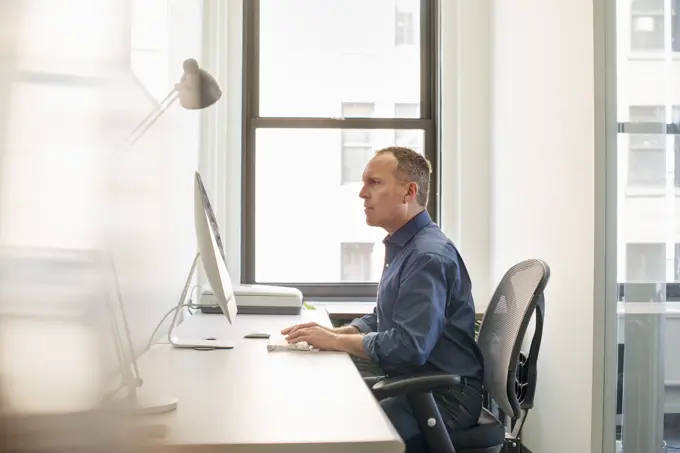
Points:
x=344 y=310
x=350 y=310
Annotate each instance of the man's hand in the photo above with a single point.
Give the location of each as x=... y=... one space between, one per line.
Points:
x=316 y=336
x=339 y=330
x=306 y=325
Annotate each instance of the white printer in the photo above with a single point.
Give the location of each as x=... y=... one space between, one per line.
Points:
x=261 y=299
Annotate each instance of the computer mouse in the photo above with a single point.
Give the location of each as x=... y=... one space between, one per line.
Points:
x=257 y=335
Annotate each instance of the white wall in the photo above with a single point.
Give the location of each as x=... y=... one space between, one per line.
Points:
x=543 y=191
x=465 y=136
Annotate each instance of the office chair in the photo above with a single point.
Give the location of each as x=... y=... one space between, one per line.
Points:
x=509 y=374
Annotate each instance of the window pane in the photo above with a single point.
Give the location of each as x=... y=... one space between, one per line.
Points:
x=647 y=230
x=316 y=54
x=675 y=26
x=647 y=156
x=358 y=109
x=647 y=113
x=354 y=160
x=646 y=6
x=303 y=214
x=647 y=167
x=645 y=262
x=402 y=110
x=357 y=259
x=647 y=32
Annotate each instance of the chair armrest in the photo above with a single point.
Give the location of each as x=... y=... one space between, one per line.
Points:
x=422 y=383
x=372 y=380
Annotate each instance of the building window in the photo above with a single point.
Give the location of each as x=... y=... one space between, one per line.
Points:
x=404 y=28
x=357 y=148
x=645 y=263
x=647 y=26
x=300 y=138
x=405 y=137
x=647 y=152
x=675 y=119
x=675 y=25
x=356 y=261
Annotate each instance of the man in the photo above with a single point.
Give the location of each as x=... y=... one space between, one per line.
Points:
x=425 y=316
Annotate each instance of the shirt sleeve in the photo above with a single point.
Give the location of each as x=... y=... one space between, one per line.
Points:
x=419 y=314
x=367 y=323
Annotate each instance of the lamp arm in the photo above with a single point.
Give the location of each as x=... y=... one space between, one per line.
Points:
x=151 y=119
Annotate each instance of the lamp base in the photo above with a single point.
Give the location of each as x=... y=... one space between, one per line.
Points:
x=144 y=402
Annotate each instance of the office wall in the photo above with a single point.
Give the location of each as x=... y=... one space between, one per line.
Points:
x=465 y=138
x=543 y=198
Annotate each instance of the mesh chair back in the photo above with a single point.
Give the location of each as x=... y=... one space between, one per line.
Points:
x=517 y=297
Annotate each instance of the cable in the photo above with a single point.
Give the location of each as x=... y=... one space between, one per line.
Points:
x=150 y=342
x=171 y=311
x=189 y=306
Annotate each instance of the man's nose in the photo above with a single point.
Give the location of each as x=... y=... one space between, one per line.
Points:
x=362 y=192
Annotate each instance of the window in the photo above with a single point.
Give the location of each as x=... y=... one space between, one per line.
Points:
x=407 y=138
x=647 y=152
x=675 y=118
x=648 y=27
x=404 y=23
x=356 y=143
x=356 y=261
x=645 y=223
x=315 y=110
x=645 y=262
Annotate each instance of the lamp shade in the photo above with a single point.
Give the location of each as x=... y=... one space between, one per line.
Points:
x=197 y=88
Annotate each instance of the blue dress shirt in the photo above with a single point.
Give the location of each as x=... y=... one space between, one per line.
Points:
x=424 y=320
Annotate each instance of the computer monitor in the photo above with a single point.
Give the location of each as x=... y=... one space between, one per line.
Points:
x=211 y=250
x=211 y=253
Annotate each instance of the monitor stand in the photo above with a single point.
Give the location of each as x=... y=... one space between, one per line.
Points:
x=215 y=338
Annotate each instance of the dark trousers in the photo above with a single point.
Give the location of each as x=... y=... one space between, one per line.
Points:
x=460 y=408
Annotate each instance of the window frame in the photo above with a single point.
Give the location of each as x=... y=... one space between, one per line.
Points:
x=252 y=121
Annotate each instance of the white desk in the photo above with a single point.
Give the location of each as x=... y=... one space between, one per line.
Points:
x=247 y=399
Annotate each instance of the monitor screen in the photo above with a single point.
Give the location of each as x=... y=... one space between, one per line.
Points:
x=211 y=251
x=211 y=216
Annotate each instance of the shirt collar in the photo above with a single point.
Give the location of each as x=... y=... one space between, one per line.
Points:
x=409 y=229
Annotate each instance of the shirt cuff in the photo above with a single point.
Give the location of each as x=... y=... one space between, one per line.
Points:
x=368 y=343
x=361 y=325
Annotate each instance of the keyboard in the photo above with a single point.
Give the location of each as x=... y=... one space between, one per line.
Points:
x=279 y=343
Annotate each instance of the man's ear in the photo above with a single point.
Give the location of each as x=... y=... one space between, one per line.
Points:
x=411 y=191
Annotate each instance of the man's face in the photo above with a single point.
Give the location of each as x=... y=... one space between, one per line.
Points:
x=385 y=196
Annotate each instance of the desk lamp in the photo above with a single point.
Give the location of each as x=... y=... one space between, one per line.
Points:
x=196 y=90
